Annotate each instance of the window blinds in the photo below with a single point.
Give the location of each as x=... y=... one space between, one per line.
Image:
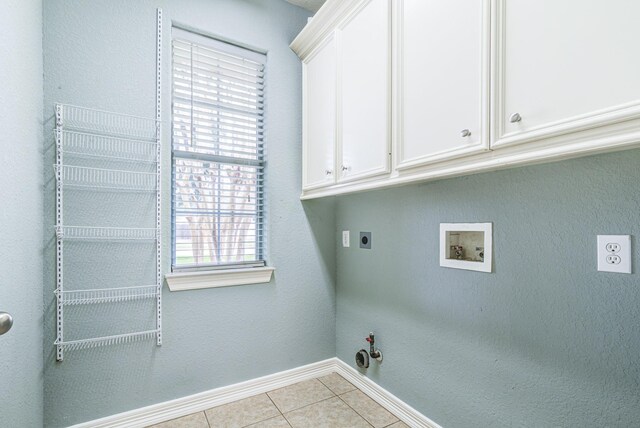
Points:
x=218 y=153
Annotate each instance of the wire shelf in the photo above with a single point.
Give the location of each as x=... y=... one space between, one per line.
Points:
x=106 y=179
x=90 y=233
x=74 y=345
x=107 y=295
x=105 y=122
x=112 y=148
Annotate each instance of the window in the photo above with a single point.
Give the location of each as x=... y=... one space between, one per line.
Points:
x=218 y=154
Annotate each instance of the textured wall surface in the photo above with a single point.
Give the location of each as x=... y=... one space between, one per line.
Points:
x=545 y=340
x=21 y=212
x=101 y=54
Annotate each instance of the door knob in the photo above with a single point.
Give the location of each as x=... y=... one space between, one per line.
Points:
x=515 y=117
x=465 y=133
x=6 y=321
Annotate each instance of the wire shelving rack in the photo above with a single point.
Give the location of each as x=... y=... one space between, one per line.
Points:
x=110 y=137
x=126 y=142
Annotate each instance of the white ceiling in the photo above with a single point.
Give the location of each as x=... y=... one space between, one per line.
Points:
x=312 y=5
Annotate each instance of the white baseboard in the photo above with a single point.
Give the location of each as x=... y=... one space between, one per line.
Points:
x=168 y=410
x=402 y=410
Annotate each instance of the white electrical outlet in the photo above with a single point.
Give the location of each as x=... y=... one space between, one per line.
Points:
x=613 y=247
x=614 y=253
x=345 y=238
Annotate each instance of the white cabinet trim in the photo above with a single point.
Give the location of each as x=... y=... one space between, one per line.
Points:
x=592 y=142
x=321 y=25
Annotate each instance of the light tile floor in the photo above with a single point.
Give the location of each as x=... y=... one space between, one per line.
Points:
x=327 y=402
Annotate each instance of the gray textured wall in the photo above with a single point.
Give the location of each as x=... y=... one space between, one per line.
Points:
x=544 y=341
x=101 y=54
x=21 y=211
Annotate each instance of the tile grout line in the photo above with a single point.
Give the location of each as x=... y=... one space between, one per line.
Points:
x=311 y=404
x=237 y=401
x=336 y=373
x=355 y=388
x=287 y=420
x=261 y=420
x=206 y=418
x=357 y=413
x=326 y=386
x=278 y=409
x=306 y=405
x=273 y=402
x=317 y=402
x=385 y=426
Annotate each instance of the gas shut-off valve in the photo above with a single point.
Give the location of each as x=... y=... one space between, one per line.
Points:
x=362 y=357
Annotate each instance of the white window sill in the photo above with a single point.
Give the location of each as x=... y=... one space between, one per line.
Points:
x=180 y=281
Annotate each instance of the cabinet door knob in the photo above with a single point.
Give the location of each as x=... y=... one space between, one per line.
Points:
x=515 y=117
x=345 y=168
x=328 y=172
x=465 y=133
x=6 y=321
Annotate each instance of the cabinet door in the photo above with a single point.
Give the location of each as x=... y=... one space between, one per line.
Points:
x=364 y=92
x=442 y=65
x=319 y=116
x=564 y=66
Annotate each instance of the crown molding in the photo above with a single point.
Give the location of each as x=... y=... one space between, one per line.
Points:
x=322 y=24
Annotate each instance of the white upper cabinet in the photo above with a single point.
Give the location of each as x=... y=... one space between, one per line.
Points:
x=456 y=87
x=319 y=116
x=442 y=64
x=364 y=100
x=564 y=66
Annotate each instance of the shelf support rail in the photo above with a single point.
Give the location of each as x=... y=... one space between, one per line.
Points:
x=158 y=175
x=59 y=228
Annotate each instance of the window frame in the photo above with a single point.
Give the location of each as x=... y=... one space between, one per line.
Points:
x=219 y=274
